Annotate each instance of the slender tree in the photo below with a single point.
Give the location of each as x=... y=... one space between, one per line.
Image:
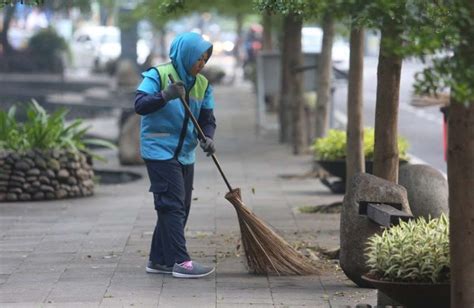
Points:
x=355 y=160
x=8 y=14
x=325 y=76
x=292 y=127
x=299 y=133
x=391 y=18
x=284 y=111
x=386 y=105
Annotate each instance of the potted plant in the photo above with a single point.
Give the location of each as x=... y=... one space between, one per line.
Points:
x=44 y=158
x=410 y=262
x=330 y=153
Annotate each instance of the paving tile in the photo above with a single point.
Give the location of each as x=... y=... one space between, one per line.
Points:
x=129 y=302
x=75 y=291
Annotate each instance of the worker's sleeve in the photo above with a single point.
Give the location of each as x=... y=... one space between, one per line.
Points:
x=206 y=120
x=148 y=98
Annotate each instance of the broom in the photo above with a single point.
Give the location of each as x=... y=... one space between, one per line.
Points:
x=265 y=250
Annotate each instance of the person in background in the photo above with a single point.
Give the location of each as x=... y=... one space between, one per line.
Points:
x=168 y=141
x=253 y=43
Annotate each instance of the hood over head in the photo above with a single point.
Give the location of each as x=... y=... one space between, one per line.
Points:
x=185 y=50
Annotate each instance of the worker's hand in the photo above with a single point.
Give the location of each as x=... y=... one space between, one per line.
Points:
x=208 y=146
x=174 y=90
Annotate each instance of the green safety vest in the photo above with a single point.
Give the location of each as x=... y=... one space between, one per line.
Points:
x=169 y=133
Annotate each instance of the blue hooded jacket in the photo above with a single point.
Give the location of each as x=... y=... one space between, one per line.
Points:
x=185 y=50
x=163 y=134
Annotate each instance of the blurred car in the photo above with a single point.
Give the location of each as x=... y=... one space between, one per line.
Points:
x=19 y=38
x=312 y=40
x=98 y=46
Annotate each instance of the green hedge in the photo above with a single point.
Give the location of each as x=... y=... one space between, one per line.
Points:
x=333 y=146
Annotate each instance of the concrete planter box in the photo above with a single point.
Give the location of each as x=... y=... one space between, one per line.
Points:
x=337 y=168
x=44 y=175
x=414 y=294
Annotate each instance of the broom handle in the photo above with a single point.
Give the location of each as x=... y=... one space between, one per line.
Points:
x=201 y=135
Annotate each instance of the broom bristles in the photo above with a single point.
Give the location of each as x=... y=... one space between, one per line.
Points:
x=265 y=250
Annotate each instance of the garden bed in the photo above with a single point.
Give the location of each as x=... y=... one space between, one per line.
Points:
x=44 y=175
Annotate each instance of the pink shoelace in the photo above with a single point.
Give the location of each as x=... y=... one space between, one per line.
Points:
x=187 y=265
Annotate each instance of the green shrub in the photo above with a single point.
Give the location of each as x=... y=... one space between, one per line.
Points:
x=46 y=47
x=43 y=131
x=333 y=146
x=414 y=251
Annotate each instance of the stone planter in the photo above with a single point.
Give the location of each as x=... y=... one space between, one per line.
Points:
x=337 y=168
x=414 y=294
x=44 y=175
x=355 y=229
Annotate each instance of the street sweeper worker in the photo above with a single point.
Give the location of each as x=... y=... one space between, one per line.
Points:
x=167 y=143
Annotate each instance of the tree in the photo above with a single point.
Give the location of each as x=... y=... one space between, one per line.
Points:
x=294 y=12
x=454 y=22
x=325 y=76
x=284 y=115
x=387 y=100
x=108 y=10
x=295 y=59
x=7 y=48
x=158 y=14
x=389 y=17
x=355 y=160
x=328 y=11
x=291 y=100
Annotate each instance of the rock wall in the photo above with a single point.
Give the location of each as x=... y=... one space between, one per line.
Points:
x=44 y=175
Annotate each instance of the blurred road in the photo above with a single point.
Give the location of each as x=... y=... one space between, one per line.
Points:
x=422 y=126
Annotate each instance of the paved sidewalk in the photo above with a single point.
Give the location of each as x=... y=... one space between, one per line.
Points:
x=91 y=252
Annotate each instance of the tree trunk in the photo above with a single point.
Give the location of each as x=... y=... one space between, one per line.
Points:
x=284 y=113
x=128 y=36
x=267 y=32
x=324 y=77
x=299 y=133
x=355 y=160
x=7 y=48
x=461 y=181
x=270 y=99
x=461 y=202
x=237 y=52
x=239 y=20
x=163 y=46
x=386 y=107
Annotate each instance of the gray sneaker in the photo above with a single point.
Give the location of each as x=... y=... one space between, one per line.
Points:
x=196 y=271
x=158 y=268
